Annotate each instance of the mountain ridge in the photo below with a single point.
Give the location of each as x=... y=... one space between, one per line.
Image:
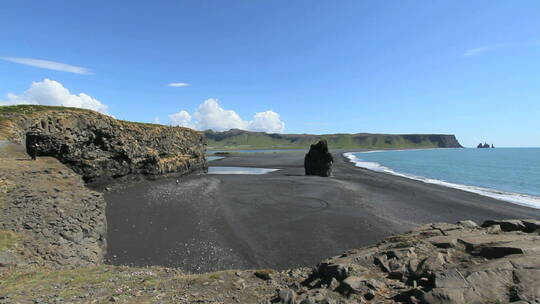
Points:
x=235 y=138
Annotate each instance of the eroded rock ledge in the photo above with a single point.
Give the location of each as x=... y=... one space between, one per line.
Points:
x=48 y=218
x=498 y=262
x=97 y=146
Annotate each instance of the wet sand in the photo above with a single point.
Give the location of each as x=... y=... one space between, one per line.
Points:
x=280 y=219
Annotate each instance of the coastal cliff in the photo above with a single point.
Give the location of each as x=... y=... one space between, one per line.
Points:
x=46 y=207
x=97 y=146
x=240 y=139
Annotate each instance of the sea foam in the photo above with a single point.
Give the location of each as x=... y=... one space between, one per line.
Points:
x=516 y=198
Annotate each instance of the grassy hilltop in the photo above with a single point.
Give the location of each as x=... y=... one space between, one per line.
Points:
x=239 y=139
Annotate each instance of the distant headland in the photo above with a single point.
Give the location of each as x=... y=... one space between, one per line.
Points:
x=240 y=139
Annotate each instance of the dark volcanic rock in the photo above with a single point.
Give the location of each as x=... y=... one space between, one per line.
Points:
x=98 y=146
x=56 y=220
x=435 y=263
x=485 y=145
x=318 y=160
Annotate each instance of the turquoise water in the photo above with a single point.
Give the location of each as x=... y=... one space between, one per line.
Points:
x=212 y=158
x=510 y=174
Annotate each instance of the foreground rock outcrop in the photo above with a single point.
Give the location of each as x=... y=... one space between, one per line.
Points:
x=318 y=160
x=49 y=218
x=498 y=262
x=97 y=146
x=436 y=263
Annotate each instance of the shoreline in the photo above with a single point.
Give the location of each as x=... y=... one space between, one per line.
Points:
x=521 y=199
x=277 y=220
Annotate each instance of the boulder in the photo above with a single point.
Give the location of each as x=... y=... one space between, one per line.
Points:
x=506 y=225
x=287 y=296
x=318 y=160
x=528 y=285
x=468 y=224
x=531 y=225
x=328 y=271
x=353 y=284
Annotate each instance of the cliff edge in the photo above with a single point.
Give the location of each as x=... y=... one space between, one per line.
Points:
x=97 y=146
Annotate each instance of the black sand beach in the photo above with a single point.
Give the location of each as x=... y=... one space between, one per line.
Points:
x=277 y=220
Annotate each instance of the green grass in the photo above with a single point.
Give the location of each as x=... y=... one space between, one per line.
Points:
x=108 y=280
x=29 y=109
x=7 y=239
x=146 y=124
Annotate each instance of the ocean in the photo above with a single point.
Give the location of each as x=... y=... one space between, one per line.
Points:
x=508 y=174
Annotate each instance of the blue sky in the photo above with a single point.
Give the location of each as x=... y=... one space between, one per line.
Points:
x=470 y=68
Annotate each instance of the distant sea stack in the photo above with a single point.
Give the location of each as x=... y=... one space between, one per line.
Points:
x=240 y=139
x=484 y=146
x=97 y=146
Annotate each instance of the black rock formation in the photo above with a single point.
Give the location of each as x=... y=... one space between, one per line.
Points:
x=318 y=160
x=484 y=145
x=99 y=147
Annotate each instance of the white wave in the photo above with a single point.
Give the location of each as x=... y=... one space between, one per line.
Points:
x=516 y=198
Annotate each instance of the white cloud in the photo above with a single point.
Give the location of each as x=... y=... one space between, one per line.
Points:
x=267 y=121
x=210 y=115
x=49 y=65
x=481 y=50
x=52 y=93
x=156 y=120
x=181 y=118
x=178 y=84
x=489 y=48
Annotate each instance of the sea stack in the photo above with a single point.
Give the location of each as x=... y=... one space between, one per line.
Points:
x=318 y=160
x=485 y=145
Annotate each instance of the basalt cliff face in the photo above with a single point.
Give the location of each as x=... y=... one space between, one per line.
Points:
x=97 y=146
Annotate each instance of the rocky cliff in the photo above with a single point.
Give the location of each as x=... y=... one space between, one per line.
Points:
x=48 y=212
x=98 y=146
x=46 y=208
x=497 y=262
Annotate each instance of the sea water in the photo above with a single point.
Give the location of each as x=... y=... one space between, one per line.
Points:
x=509 y=174
x=239 y=170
